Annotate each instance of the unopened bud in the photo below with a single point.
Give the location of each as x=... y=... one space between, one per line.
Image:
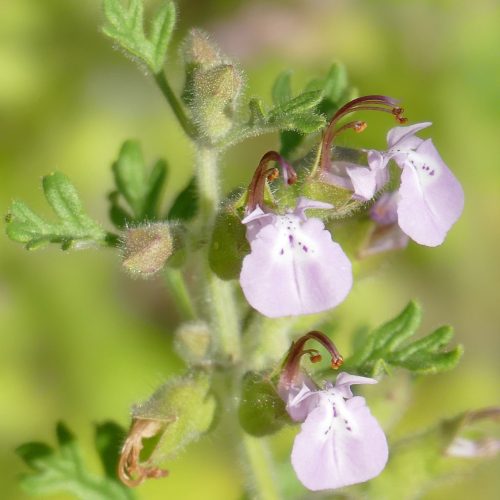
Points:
x=176 y=414
x=200 y=51
x=147 y=248
x=213 y=97
x=192 y=342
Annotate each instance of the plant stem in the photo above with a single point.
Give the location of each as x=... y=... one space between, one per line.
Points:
x=180 y=293
x=263 y=485
x=166 y=89
x=219 y=294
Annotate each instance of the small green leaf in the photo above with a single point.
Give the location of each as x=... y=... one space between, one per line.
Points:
x=333 y=87
x=125 y=25
x=282 y=89
x=63 y=470
x=73 y=226
x=257 y=114
x=384 y=347
x=298 y=105
x=139 y=189
x=162 y=28
x=185 y=205
x=304 y=123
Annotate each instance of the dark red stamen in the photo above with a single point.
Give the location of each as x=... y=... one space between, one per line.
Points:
x=291 y=364
x=365 y=103
x=263 y=173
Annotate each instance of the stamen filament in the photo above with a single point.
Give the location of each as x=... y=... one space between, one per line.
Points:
x=291 y=364
x=258 y=182
x=366 y=103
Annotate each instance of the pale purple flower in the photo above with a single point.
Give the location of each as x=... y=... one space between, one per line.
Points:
x=340 y=442
x=430 y=197
x=294 y=266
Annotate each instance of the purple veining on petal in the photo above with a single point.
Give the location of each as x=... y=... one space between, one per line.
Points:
x=340 y=442
x=304 y=279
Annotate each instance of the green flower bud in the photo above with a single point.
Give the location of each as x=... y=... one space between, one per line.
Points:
x=192 y=342
x=146 y=249
x=179 y=412
x=229 y=245
x=199 y=51
x=214 y=94
x=261 y=409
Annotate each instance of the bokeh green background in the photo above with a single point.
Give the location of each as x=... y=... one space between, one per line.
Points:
x=79 y=341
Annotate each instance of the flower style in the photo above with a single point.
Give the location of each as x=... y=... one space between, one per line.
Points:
x=430 y=197
x=340 y=442
x=294 y=266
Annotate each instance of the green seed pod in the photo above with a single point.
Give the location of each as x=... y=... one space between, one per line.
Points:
x=261 y=410
x=192 y=342
x=146 y=249
x=229 y=245
x=179 y=412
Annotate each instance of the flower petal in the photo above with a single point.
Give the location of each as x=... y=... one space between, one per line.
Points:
x=431 y=198
x=345 y=380
x=305 y=203
x=295 y=268
x=404 y=137
x=340 y=444
x=364 y=181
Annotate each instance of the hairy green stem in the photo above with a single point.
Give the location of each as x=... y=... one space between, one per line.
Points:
x=259 y=462
x=166 y=89
x=219 y=294
x=180 y=293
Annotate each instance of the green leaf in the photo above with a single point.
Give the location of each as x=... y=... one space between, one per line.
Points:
x=63 y=470
x=298 y=105
x=304 y=123
x=384 y=347
x=282 y=89
x=185 y=205
x=141 y=190
x=125 y=25
x=257 y=114
x=73 y=226
x=333 y=88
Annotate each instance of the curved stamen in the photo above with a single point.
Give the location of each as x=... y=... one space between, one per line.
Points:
x=262 y=173
x=381 y=103
x=291 y=364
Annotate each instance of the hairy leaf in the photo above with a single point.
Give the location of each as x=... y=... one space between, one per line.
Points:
x=140 y=189
x=185 y=205
x=387 y=346
x=73 y=227
x=63 y=470
x=125 y=25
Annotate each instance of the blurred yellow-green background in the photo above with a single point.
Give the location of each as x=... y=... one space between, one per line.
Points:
x=79 y=341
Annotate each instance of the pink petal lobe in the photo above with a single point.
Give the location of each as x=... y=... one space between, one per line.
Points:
x=340 y=444
x=294 y=268
x=404 y=137
x=431 y=198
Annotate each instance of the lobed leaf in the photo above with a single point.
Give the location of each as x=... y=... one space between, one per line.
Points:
x=387 y=347
x=125 y=25
x=141 y=190
x=73 y=226
x=185 y=205
x=63 y=470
